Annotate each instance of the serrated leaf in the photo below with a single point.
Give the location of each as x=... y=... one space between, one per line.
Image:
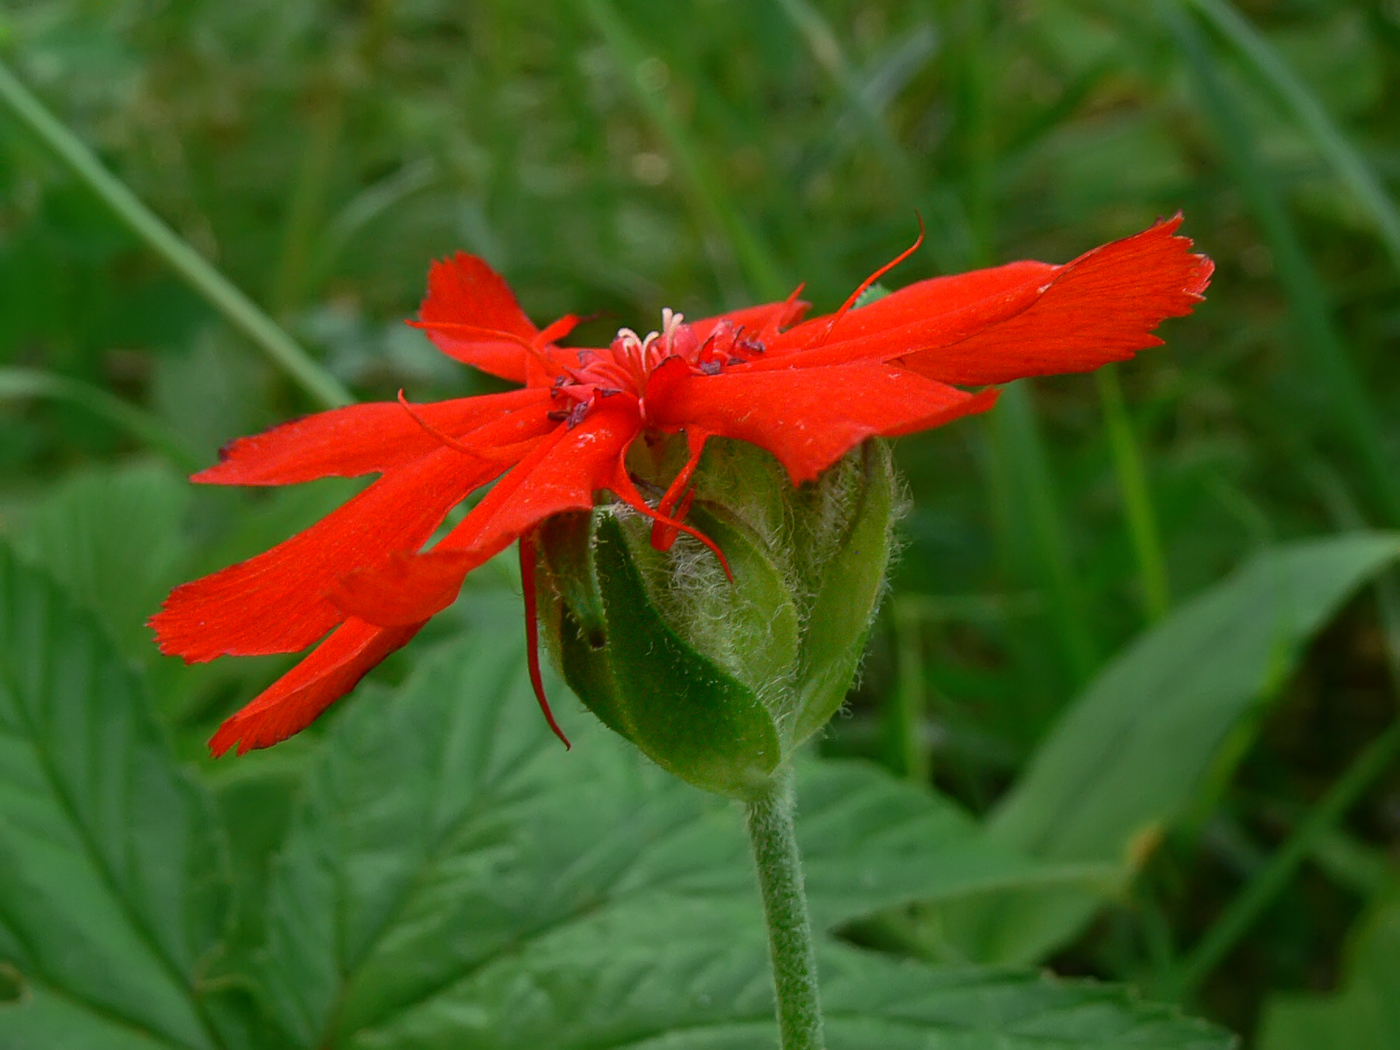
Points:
x=113 y=896
x=115 y=539
x=606 y=989
x=455 y=879
x=1129 y=753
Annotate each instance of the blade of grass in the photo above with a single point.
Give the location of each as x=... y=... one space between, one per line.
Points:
x=308 y=201
x=703 y=183
x=366 y=207
x=1137 y=501
x=212 y=286
x=1274 y=73
x=149 y=430
x=1020 y=443
x=1353 y=414
x=1018 y=446
x=1240 y=914
x=822 y=42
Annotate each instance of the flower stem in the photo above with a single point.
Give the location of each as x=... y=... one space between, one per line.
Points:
x=790 y=946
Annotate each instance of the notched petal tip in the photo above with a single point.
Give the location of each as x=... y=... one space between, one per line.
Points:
x=1101 y=307
x=465 y=294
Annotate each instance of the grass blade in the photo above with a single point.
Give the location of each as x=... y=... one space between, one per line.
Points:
x=1137 y=501
x=193 y=268
x=1276 y=75
x=1353 y=413
x=149 y=430
x=1261 y=890
x=715 y=206
x=1019 y=443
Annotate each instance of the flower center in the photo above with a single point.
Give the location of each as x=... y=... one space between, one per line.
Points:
x=627 y=363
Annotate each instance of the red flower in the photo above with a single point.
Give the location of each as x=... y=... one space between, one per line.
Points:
x=807 y=392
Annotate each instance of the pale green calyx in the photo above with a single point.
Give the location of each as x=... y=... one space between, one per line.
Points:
x=718 y=680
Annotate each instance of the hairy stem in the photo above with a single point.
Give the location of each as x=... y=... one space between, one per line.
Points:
x=790 y=945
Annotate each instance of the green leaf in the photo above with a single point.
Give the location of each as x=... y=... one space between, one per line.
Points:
x=113 y=894
x=603 y=988
x=1128 y=755
x=1364 y=1015
x=115 y=539
x=454 y=878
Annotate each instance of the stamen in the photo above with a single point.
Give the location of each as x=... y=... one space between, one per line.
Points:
x=865 y=285
x=458 y=328
x=454 y=445
x=695 y=444
x=623 y=485
x=532 y=633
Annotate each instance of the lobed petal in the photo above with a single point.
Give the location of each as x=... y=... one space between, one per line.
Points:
x=366 y=439
x=561 y=474
x=807 y=417
x=464 y=291
x=1099 y=308
x=276 y=602
x=294 y=701
x=1021 y=319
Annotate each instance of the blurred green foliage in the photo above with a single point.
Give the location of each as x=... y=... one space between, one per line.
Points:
x=612 y=157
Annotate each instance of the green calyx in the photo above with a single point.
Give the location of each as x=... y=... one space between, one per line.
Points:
x=718 y=680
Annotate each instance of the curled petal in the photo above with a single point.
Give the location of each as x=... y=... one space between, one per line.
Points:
x=493 y=334
x=626 y=490
x=561 y=474
x=532 y=633
x=807 y=417
x=294 y=701
x=368 y=439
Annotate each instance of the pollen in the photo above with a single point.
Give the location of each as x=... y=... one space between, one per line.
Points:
x=627 y=364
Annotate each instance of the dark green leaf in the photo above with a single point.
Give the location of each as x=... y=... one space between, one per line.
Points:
x=456 y=879
x=1128 y=755
x=113 y=895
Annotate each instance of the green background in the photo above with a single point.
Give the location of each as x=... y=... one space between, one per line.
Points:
x=1043 y=658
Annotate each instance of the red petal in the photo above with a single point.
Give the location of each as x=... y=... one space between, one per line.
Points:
x=807 y=417
x=931 y=313
x=1025 y=318
x=1101 y=307
x=275 y=602
x=985 y=293
x=364 y=439
x=292 y=702
x=464 y=290
x=561 y=474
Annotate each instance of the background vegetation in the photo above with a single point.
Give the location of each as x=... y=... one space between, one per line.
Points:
x=614 y=157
